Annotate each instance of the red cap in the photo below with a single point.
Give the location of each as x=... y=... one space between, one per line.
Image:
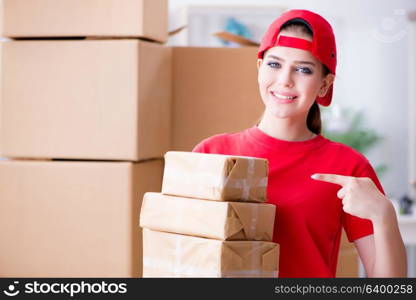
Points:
x=322 y=46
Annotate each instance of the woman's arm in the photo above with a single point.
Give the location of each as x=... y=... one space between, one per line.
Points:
x=365 y=247
x=383 y=254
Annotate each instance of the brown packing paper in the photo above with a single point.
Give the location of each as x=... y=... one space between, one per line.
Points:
x=73 y=219
x=215 y=176
x=175 y=255
x=66 y=18
x=210 y=219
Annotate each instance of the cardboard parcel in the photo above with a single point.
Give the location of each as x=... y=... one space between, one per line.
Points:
x=215 y=176
x=210 y=219
x=175 y=255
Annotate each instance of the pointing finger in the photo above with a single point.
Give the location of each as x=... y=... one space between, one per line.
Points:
x=332 y=178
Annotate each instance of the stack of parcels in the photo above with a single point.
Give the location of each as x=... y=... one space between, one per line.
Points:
x=210 y=219
x=85 y=122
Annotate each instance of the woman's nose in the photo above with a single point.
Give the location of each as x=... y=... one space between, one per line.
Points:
x=285 y=77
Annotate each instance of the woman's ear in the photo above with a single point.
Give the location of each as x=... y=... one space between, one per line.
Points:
x=259 y=61
x=326 y=83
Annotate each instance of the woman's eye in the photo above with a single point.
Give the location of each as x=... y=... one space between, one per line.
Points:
x=273 y=64
x=305 y=70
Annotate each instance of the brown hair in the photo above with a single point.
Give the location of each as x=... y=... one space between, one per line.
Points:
x=313 y=121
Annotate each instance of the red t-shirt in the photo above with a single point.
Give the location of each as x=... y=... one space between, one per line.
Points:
x=309 y=215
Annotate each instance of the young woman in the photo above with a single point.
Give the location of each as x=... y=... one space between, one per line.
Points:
x=318 y=186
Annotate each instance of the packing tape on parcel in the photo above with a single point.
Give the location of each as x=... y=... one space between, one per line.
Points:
x=253 y=222
x=178 y=254
x=245 y=184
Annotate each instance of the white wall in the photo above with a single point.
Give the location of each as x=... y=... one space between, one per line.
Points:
x=372 y=70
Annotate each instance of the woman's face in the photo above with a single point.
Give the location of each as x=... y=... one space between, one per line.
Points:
x=290 y=79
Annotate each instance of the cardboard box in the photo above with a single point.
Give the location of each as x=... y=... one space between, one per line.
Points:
x=210 y=219
x=215 y=90
x=73 y=219
x=90 y=99
x=175 y=255
x=73 y=18
x=347 y=263
x=215 y=176
x=347 y=259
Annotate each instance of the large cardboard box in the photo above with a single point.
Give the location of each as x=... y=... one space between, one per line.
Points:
x=85 y=99
x=210 y=219
x=215 y=176
x=174 y=255
x=348 y=259
x=73 y=219
x=72 y=18
x=348 y=263
x=215 y=90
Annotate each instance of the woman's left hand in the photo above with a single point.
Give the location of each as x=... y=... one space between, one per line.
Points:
x=360 y=196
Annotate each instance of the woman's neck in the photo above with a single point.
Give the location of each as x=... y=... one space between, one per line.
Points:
x=287 y=129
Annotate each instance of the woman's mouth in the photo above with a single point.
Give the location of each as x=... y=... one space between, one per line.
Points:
x=287 y=98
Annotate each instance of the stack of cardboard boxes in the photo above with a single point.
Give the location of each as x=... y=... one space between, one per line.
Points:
x=85 y=121
x=210 y=219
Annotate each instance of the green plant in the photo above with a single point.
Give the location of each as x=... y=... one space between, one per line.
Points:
x=354 y=134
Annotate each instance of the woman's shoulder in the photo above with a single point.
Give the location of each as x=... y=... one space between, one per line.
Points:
x=353 y=162
x=346 y=153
